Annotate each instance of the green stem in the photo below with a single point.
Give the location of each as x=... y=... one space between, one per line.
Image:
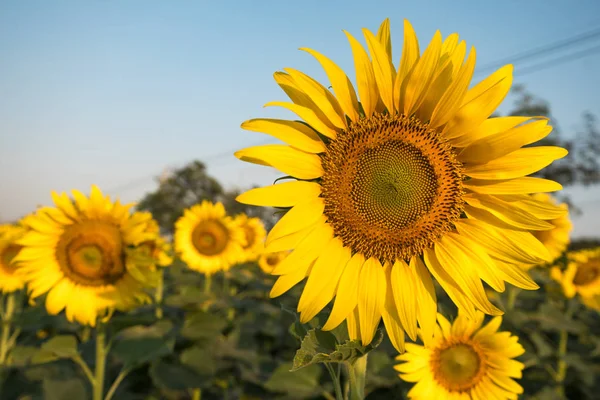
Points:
x=116 y=383
x=512 y=297
x=6 y=328
x=207 y=283
x=158 y=295
x=196 y=394
x=84 y=367
x=561 y=367
x=336 y=382
x=100 y=361
x=358 y=374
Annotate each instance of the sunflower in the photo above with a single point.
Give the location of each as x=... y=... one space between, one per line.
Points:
x=269 y=261
x=556 y=239
x=207 y=239
x=9 y=280
x=414 y=180
x=83 y=254
x=255 y=236
x=582 y=276
x=464 y=361
x=158 y=248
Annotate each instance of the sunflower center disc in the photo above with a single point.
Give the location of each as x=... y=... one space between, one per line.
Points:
x=457 y=367
x=587 y=273
x=91 y=253
x=210 y=237
x=7 y=256
x=391 y=187
x=272 y=260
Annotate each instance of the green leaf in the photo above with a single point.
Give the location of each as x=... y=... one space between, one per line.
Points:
x=296 y=385
x=544 y=349
x=200 y=360
x=61 y=346
x=140 y=344
x=56 y=389
x=320 y=346
x=553 y=319
x=174 y=376
x=21 y=356
x=202 y=325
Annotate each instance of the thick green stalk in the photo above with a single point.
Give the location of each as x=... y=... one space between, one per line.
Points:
x=207 y=283
x=6 y=327
x=357 y=373
x=158 y=295
x=336 y=382
x=101 y=351
x=561 y=367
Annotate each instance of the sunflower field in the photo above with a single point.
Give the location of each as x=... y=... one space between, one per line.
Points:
x=416 y=246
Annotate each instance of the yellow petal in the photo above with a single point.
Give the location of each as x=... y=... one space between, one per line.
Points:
x=516 y=276
x=539 y=209
x=452 y=98
x=513 y=186
x=383 y=69
x=371 y=298
x=292 y=240
x=480 y=102
x=309 y=116
x=459 y=266
x=422 y=76
x=365 y=78
x=346 y=297
x=311 y=247
x=383 y=37
x=59 y=296
x=320 y=96
x=323 y=280
x=517 y=164
x=63 y=202
x=342 y=86
x=288 y=281
x=294 y=133
x=405 y=296
x=289 y=160
x=448 y=283
x=503 y=143
x=391 y=320
x=286 y=194
x=299 y=217
x=489 y=127
x=426 y=300
x=410 y=56
x=507 y=212
x=353 y=325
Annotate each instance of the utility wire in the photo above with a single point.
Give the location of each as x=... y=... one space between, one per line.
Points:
x=557 y=61
x=540 y=51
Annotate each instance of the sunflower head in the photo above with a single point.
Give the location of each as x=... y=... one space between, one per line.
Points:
x=207 y=239
x=269 y=261
x=556 y=239
x=403 y=176
x=10 y=280
x=255 y=234
x=156 y=246
x=464 y=360
x=85 y=254
x=582 y=276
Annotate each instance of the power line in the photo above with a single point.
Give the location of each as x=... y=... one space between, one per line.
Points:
x=559 y=60
x=540 y=51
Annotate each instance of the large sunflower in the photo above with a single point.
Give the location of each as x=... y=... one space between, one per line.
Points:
x=464 y=361
x=255 y=236
x=556 y=239
x=9 y=280
x=582 y=276
x=158 y=248
x=207 y=239
x=414 y=180
x=84 y=254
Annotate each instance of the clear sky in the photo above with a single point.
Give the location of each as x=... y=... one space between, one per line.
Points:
x=113 y=92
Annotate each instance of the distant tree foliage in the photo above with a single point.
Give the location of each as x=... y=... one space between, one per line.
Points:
x=189 y=185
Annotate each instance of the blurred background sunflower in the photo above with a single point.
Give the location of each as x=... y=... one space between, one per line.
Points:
x=10 y=281
x=581 y=276
x=255 y=234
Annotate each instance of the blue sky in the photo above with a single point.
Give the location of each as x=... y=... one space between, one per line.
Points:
x=113 y=92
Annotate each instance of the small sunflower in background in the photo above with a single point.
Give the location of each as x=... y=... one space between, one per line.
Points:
x=207 y=239
x=556 y=239
x=269 y=261
x=255 y=234
x=582 y=276
x=159 y=248
x=414 y=180
x=10 y=281
x=464 y=361
x=84 y=254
